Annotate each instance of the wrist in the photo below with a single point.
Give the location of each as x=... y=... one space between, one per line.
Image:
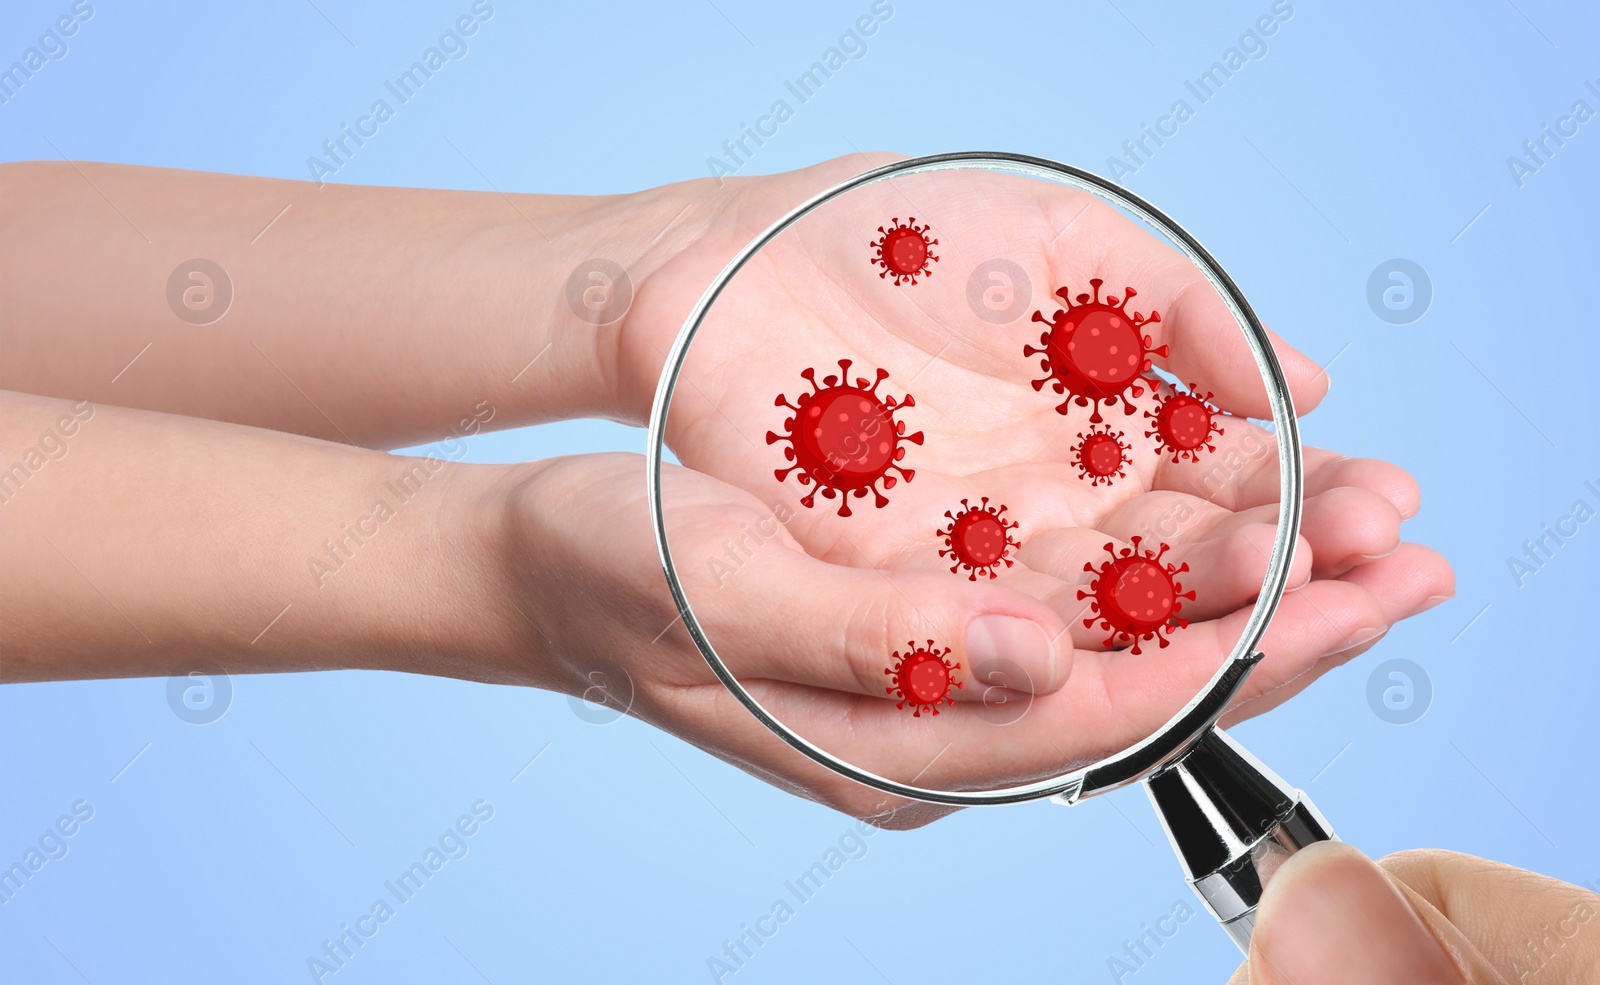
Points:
x=575 y=299
x=474 y=577
x=690 y=231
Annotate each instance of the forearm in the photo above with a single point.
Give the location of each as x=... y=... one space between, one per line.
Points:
x=376 y=316
x=134 y=542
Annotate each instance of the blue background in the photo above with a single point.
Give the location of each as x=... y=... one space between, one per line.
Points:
x=1369 y=131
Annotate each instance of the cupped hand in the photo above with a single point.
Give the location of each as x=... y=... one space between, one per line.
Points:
x=812 y=298
x=1332 y=916
x=809 y=637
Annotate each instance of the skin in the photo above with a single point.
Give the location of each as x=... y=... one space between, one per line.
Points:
x=372 y=318
x=1424 y=917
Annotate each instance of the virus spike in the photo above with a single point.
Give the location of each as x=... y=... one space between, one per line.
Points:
x=1101 y=456
x=922 y=677
x=1185 y=423
x=1136 y=596
x=904 y=251
x=976 y=539
x=1094 y=352
x=844 y=439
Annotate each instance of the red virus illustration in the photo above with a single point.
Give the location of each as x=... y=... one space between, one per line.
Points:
x=922 y=678
x=904 y=251
x=844 y=439
x=1185 y=423
x=1095 y=351
x=1137 y=596
x=1100 y=455
x=976 y=539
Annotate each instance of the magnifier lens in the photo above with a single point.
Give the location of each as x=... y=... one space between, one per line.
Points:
x=984 y=491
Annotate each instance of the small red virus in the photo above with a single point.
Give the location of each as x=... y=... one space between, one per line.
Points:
x=922 y=678
x=1136 y=596
x=977 y=540
x=1095 y=351
x=844 y=438
x=1100 y=455
x=904 y=251
x=1185 y=423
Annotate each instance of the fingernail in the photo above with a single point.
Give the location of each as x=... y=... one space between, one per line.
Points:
x=1432 y=601
x=1376 y=557
x=1331 y=915
x=1364 y=635
x=1020 y=645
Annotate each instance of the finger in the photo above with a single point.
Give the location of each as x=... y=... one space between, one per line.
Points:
x=1109 y=702
x=1340 y=528
x=1285 y=692
x=1502 y=910
x=1312 y=623
x=1228 y=552
x=1348 y=526
x=847 y=629
x=1208 y=347
x=1243 y=472
x=1409 y=581
x=1227 y=558
x=1203 y=340
x=1331 y=915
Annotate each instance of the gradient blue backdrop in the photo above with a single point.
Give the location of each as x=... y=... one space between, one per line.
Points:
x=1367 y=132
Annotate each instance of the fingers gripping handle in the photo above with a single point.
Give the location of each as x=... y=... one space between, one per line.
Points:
x=1232 y=822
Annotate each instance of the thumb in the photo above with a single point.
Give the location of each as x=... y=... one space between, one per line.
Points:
x=852 y=619
x=1332 y=916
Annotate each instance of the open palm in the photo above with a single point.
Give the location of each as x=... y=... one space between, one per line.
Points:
x=811 y=299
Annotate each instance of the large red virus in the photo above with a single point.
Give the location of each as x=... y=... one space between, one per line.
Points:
x=1101 y=456
x=922 y=678
x=1095 y=351
x=1184 y=425
x=977 y=539
x=844 y=439
x=1137 y=596
x=904 y=251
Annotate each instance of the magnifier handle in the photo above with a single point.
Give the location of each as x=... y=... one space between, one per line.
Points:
x=1232 y=822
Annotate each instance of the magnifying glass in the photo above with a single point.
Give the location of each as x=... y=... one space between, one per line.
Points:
x=999 y=289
